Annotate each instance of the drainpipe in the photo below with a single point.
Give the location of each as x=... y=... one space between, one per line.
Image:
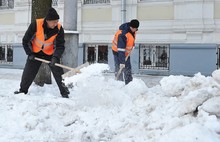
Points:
x=123 y=11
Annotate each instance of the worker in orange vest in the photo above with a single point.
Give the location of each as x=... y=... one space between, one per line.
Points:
x=43 y=39
x=122 y=45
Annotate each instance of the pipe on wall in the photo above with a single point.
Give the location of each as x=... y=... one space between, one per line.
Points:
x=123 y=11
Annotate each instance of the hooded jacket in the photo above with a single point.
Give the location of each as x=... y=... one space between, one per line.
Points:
x=58 y=43
x=124 y=36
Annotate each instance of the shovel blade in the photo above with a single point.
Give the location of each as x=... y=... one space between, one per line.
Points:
x=75 y=71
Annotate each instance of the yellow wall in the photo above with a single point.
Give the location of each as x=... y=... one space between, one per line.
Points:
x=217 y=10
x=155 y=12
x=97 y=15
x=7 y=18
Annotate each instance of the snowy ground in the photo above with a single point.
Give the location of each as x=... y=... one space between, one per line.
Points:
x=100 y=109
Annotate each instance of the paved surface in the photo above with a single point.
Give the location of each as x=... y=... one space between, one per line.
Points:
x=15 y=74
x=148 y=79
x=11 y=74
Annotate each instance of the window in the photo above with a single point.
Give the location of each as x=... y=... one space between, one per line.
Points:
x=6 y=54
x=91 y=54
x=154 y=56
x=218 y=57
x=102 y=54
x=54 y=2
x=96 y=1
x=96 y=53
x=6 y=4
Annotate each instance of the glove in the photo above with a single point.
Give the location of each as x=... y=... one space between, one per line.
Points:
x=31 y=57
x=122 y=66
x=53 y=61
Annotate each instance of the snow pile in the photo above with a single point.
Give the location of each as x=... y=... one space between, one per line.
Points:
x=100 y=109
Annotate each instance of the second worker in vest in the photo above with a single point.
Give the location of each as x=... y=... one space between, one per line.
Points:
x=122 y=45
x=44 y=39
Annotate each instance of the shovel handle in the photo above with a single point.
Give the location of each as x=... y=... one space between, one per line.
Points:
x=120 y=70
x=56 y=64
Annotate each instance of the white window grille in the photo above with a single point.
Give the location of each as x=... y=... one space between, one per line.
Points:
x=54 y=2
x=96 y=1
x=6 y=4
x=6 y=54
x=154 y=56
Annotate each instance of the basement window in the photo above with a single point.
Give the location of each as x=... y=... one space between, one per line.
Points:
x=6 y=54
x=218 y=57
x=95 y=53
x=6 y=4
x=154 y=56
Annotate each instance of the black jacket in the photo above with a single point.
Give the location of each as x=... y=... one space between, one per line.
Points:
x=58 y=44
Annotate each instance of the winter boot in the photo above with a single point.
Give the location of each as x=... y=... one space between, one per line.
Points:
x=64 y=91
x=65 y=95
x=20 y=91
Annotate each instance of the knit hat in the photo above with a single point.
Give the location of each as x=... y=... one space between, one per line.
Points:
x=134 y=23
x=52 y=14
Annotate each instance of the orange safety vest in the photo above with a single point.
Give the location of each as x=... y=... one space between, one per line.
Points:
x=129 y=43
x=39 y=43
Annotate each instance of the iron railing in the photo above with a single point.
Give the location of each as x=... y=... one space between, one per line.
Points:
x=96 y=1
x=154 y=56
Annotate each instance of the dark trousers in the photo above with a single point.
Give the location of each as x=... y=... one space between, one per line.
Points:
x=31 y=69
x=126 y=74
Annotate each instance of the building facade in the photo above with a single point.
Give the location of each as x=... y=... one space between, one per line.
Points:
x=174 y=37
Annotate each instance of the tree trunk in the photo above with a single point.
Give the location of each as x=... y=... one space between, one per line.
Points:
x=39 y=10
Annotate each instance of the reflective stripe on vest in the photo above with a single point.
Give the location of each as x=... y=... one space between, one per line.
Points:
x=39 y=43
x=129 y=43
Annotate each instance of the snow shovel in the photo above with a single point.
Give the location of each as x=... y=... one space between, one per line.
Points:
x=71 y=73
x=120 y=70
x=72 y=70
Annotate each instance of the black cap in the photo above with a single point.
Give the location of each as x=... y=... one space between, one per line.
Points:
x=52 y=14
x=134 y=23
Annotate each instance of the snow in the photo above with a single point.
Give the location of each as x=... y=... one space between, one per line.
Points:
x=101 y=109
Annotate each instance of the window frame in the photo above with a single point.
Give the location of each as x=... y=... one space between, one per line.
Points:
x=97 y=48
x=6 y=4
x=6 y=59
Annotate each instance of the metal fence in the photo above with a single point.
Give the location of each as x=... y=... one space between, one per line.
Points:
x=9 y=4
x=154 y=56
x=95 y=1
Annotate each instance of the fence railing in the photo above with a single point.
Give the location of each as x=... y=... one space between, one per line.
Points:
x=154 y=57
x=95 y=1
